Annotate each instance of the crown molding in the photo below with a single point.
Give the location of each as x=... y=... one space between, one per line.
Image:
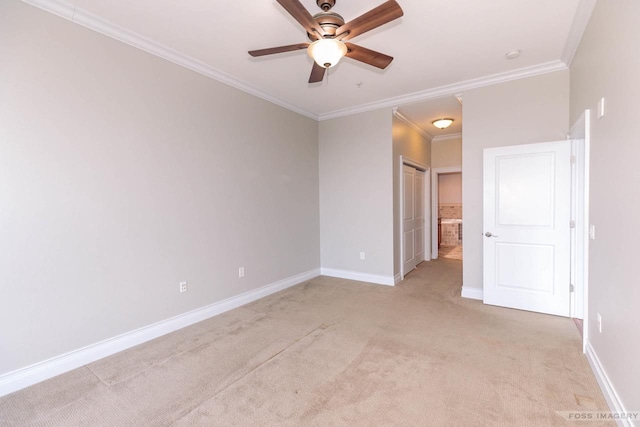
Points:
x=578 y=27
x=447 y=137
x=449 y=90
x=413 y=125
x=57 y=7
x=86 y=19
x=109 y=29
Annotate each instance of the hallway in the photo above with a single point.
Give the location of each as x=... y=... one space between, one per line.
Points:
x=450 y=252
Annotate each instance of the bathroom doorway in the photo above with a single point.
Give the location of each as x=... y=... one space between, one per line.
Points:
x=447 y=203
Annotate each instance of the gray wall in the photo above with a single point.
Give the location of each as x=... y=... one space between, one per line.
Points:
x=450 y=188
x=607 y=64
x=524 y=111
x=446 y=153
x=412 y=145
x=356 y=193
x=122 y=174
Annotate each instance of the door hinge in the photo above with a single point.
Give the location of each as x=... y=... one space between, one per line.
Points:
x=572 y=224
x=572 y=288
x=573 y=159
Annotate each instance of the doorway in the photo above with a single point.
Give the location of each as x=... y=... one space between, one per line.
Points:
x=450 y=215
x=446 y=205
x=556 y=216
x=580 y=136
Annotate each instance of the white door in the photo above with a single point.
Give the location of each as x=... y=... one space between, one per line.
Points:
x=419 y=216
x=527 y=195
x=413 y=217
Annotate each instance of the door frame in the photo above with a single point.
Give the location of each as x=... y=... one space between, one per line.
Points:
x=580 y=136
x=434 y=205
x=427 y=211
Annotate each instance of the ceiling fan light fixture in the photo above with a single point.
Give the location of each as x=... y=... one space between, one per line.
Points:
x=442 y=123
x=327 y=52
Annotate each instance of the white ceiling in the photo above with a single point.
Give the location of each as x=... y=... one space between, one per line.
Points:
x=436 y=43
x=424 y=113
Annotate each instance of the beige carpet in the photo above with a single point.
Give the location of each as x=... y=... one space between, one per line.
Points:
x=333 y=352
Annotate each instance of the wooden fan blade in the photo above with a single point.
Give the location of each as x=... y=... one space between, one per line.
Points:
x=368 y=56
x=376 y=17
x=279 y=49
x=317 y=73
x=302 y=15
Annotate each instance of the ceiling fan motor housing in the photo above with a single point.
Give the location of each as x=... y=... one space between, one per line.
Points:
x=325 y=4
x=329 y=21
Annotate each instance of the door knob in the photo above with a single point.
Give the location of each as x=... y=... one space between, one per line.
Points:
x=488 y=234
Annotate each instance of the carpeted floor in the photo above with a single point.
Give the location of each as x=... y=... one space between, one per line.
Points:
x=333 y=352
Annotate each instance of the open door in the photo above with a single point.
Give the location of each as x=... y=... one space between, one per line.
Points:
x=527 y=200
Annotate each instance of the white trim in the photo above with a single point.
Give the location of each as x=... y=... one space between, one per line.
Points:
x=580 y=233
x=401 y=217
x=57 y=7
x=360 y=277
x=447 y=137
x=434 y=205
x=44 y=370
x=426 y=209
x=609 y=392
x=428 y=215
x=412 y=124
x=109 y=29
x=579 y=25
x=574 y=305
x=472 y=293
x=580 y=134
x=586 y=202
x=397 y=279
x=413 y=163
x=452 y=89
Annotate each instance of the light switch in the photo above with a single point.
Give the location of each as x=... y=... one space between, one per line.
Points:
x=601 y=108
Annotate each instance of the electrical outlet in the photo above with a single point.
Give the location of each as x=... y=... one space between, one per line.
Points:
x=599 y=323
x=183 y=287
x=241 y=272
x=361 y=255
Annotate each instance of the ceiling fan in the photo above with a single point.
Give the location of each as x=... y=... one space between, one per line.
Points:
x=329 y=34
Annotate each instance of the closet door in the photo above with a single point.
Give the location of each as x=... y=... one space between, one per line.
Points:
x=413 y=217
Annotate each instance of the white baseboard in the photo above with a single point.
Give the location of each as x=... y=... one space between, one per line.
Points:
x=21 y=378
x=397 y=279
x=472 y=293
x=610 y=395
x=361 y=277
